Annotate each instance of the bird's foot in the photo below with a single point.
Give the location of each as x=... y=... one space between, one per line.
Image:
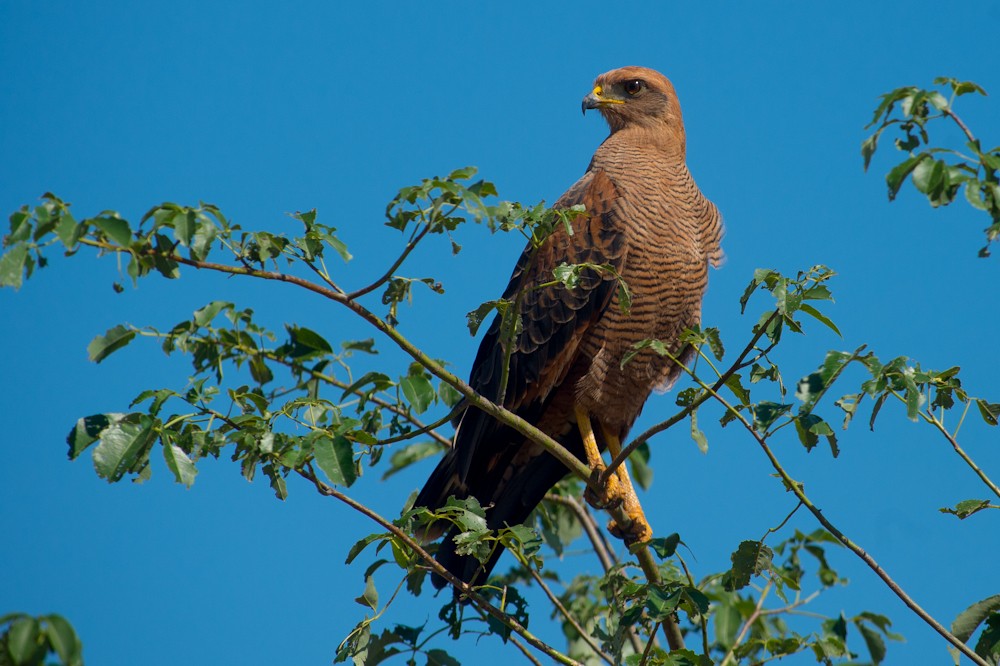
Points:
x=610 y=493
x=636 y=531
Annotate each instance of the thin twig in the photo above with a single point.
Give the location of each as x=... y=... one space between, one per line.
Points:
x=748 y=624
x=524 y=650
x=392 y=269
x=772 y=530
x=958 y=121
x=558 y=451
x=322 y=274
x=422 y=428
x=649 y=646
x=703 y=621
x=429 y=429
x=962 y=454
x=569 y=618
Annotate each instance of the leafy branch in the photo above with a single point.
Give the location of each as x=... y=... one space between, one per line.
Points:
x=910 y=110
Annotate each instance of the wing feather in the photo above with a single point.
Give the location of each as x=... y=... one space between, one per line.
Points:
x=554 y=319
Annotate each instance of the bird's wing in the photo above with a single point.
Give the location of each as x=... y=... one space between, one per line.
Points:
x=554 y=318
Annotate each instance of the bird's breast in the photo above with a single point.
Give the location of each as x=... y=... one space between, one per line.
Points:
x=666 y=274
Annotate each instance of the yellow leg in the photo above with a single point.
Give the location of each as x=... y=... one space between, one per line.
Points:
x=612 y=492
x=639 y=531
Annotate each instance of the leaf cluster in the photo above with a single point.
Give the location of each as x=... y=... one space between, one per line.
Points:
x=938 y=172
x=45 y=640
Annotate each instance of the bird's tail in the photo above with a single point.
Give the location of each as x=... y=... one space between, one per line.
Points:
x=512 y=506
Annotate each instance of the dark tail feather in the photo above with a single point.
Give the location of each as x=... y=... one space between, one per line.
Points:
x=442 y=483
x=516 y=501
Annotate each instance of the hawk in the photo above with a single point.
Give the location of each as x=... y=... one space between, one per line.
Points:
x=647 y=220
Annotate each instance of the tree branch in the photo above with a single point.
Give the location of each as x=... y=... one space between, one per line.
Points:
x=796 y=488
x=642 y=552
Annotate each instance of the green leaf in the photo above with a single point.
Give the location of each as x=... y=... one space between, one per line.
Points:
x=87 y=431
x=377 y=379
x=874 y=642
x=115 y=228
x=125 y=447
x=974 y=195
x=449 y=395
x=179 y=463
x=665 y=547
x=104 y=345
x=203 y=239
x=366 y=346
x=476 y=317
x=894 y=179
x=22 y=641
x=728 y=621
x=685 y=658
x=820 y=317
x=642 y=473
x=63 y=639
x=966 y=508
x=990 y=411
x=12 y=266
x=696 y=433
x=868 y=148
x=662 y=600
x=766 y=413
x=306 y=342
x=715 y=343
x=988 y=645
x=411 y=453
x=418 y=391
x=438 y=657
x=750 y=558
x=336 y=458
x=362 y=544
x=370 y=596
x=969 y=620
x=735 y=384
x=204 y=316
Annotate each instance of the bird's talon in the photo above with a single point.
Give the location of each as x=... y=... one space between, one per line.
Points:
x=610 y=494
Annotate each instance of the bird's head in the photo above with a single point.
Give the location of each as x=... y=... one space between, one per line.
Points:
x=638 y=97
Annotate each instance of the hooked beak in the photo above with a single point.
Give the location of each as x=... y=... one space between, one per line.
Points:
x=597 y=100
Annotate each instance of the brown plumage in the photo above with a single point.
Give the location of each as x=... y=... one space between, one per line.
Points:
x=645 y=217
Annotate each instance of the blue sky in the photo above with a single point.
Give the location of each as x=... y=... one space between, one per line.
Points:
x=264 y=110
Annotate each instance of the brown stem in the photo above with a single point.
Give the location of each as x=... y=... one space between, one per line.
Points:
x=958 y=121
x=392 y=269
x=648 y=649
x=746 y=625
x=963 y=455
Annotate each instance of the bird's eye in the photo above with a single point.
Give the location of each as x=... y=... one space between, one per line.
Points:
x=634 y=86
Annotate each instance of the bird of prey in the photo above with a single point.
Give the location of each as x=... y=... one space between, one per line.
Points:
x=647 y=220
